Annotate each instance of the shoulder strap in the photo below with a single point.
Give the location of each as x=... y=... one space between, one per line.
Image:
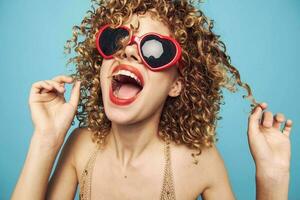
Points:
x=86 y=176
x=168 y=191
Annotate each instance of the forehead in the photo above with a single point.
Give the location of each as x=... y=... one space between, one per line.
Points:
x=147 y=23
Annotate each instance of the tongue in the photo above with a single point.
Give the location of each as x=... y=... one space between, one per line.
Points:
x=127 y=91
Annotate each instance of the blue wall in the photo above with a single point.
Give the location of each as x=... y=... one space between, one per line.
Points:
x=262 y=38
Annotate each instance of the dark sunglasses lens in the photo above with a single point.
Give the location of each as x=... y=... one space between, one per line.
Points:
x=109 y=40
x=157 y=51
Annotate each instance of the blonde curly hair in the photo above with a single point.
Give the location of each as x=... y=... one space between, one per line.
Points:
x=191 y=118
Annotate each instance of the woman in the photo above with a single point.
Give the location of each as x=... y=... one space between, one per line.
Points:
x=148 y=95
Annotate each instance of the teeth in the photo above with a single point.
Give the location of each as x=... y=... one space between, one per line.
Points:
x=128 y=73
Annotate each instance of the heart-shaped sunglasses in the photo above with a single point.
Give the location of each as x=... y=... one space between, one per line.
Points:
x=157 y=51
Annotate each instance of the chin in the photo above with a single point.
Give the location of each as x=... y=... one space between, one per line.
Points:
x=121 y=116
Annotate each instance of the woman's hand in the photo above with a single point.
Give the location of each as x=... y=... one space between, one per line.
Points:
x=51 y=114
x=269 y=146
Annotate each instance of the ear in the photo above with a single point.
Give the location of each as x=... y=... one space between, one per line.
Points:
x=176 y=87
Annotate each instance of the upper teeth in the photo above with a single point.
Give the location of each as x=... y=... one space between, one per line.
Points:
x=128 y=73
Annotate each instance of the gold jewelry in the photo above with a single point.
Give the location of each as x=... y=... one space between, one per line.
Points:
x=168 y=191
x=86 y=177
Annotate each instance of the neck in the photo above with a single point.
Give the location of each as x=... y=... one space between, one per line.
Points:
x=131 y=141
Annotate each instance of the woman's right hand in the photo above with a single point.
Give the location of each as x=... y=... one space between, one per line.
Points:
x=51 y=114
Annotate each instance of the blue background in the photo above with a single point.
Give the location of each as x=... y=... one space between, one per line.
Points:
x=262 y=38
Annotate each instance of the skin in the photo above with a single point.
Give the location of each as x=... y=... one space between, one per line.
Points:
x=124 y=163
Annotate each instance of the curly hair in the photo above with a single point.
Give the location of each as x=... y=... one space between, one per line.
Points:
x=190 y=118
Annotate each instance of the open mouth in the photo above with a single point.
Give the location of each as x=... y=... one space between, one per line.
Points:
x=125 y=87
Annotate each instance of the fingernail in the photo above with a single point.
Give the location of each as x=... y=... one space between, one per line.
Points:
x=258 y=107
x=262 y=105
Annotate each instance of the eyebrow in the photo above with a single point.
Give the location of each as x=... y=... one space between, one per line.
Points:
x=135 y=28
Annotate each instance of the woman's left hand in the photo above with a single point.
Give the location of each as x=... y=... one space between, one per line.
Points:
x=270 y=147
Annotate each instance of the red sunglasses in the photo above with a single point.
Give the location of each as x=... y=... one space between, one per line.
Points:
x=157 y=51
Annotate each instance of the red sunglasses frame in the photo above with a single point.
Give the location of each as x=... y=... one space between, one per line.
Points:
x=137 y=40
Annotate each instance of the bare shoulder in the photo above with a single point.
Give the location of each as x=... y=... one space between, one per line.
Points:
x=208 y=177
x=63 y=182
x=82 y=147
x=218 y=185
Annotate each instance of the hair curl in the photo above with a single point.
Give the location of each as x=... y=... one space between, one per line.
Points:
x=190 y=118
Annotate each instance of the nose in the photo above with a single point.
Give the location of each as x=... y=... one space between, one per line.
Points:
x=130 y=52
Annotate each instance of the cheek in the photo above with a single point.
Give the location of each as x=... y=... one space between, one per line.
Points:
x=104 y=80
x=105 y=66
x=156 y=96
x=104 y=71
x=162 y=82
x=159 y=89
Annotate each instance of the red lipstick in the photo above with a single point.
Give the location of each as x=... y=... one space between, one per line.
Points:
x=131 y=69
x=115 y=99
